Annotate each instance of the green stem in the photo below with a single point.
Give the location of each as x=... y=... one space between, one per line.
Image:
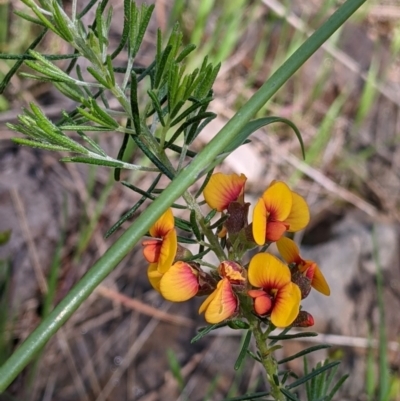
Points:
x=266 y=355
x=81 y=291
x=213 y=240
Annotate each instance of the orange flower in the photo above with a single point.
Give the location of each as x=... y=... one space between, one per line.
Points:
x=180 y=282
x=278 y=210
x=220 y=304
x=291 y=254
x=222 y=189
x=275 y=295
x=162 y=249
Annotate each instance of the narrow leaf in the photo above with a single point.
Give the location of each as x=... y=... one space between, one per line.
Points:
x=243 y=351
x=206 y=330
x=313 y=373
x=304 y=352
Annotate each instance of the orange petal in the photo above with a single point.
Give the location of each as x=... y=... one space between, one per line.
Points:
x=260 y=216
x=154 y=276
x=167 y=251
x=299 y=215
x=151 y=250
x=262 y=304
x=289 y=250
x=222 y=189
x=222 y=305
x=278 y=201
x=179 y=283
x=268 y=272
x=163 y=225
x=319 y=282
x=275 y=230
x=286 y=306
x=255 y=293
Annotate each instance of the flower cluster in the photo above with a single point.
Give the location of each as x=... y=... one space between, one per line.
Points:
x=266 y=287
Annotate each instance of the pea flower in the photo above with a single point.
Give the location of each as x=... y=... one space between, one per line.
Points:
x=223 y=189
x=162 y=249
x=222 y=303
x=291 y=254
x=275 y=294
x=277 y=211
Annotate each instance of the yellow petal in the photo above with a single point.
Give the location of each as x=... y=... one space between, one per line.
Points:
x=268 y=272
x=163 y=225
x=167 y=251
x=288 y=250
x=179 y=283
x=154 y=276
x=287 y=305
x=319 y=282
x=299 y=215
x=278 y=200
x=260 y=216
x=222 y=305
x=222 y=189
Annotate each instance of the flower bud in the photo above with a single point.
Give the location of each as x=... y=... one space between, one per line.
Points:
x=302 y=281
x=303 y=319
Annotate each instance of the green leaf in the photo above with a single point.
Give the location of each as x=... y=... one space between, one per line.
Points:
x=255 y=125
x=117 y=171
x=91 y=128
x=243 y=350
x=69 y=90
x=183 y=224
x=314 y=373
x=18 y=64
x=125 y=29
x=185 y=52
x=191 y=109
x=134 y=103
x=103 y=115
x=204 y=331
x=293 y=336
x=157 y=106
x=93 y=161
x=133 y=209
x=248 y=397
x=194 y=226
x=304 y=352
x=186 y=124
x=289 y=395
x=110 y=69
x=28 y=18
x=99 y=78
x=161 y=66
x=39 y=145
x=90 y=116
x=61 y=19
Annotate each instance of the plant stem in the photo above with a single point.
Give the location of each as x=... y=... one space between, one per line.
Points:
x=266 y=355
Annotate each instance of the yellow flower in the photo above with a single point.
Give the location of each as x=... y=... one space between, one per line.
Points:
x=162 y=249
x=179 y=283
x=291 y=254
x=278 y=210
x=220 y=304
x=276 y=296
x=222 y=189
